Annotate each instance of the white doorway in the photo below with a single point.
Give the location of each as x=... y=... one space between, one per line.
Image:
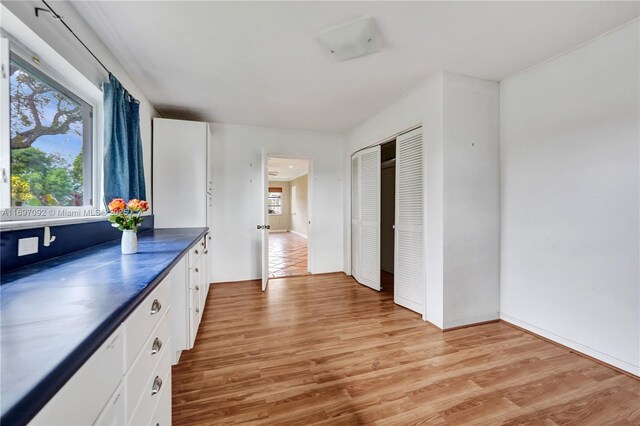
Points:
x=288 y=216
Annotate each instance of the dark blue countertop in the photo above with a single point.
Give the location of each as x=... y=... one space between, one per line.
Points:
x=55 y=314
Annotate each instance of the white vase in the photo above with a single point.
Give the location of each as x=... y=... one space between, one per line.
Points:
x=129 y=244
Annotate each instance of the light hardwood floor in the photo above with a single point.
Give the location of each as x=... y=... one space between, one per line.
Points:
x=326 y=350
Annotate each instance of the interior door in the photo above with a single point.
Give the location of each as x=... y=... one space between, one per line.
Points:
x=409 y=262
x=264 y=226
x=365 y=217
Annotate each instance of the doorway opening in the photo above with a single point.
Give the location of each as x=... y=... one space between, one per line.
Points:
x=387 y=215
x=288 y=208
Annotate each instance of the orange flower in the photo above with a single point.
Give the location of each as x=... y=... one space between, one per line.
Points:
x=144 y=206
x=117 y=205
x=134 y=205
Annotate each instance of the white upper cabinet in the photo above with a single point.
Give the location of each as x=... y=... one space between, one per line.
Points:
x=180 y=181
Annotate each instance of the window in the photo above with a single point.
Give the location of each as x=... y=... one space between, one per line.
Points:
x=47 y=140
x=275 y=201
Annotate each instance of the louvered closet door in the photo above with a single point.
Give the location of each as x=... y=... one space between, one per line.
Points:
x=409 y=264
x=355 y=217
x=365 y=235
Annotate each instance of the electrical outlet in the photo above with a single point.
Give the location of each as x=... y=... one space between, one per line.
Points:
x=27 y=246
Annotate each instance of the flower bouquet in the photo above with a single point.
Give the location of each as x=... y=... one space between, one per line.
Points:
x=126 y=216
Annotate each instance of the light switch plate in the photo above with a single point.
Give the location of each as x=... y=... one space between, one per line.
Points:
x=27 y=246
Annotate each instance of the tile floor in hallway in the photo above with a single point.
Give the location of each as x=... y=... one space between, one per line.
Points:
x=287 y=254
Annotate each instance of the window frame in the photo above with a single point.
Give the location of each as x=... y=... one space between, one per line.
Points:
x=280 y=205
x=55 y=69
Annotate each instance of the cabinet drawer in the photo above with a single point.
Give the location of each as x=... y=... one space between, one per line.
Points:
x=196 y=275
x=196 y=251
x=145 y=318
x=147 y=362
x=113 y=413
x=156 y=385
x=162 y=415
x=82 y=398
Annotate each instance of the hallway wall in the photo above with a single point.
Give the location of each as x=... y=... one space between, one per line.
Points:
x=300 y=205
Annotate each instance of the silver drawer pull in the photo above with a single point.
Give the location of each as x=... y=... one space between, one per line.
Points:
x=197 y=288
x=157 y=345
x=197 y=310
x=155 y=307
x=157 y=384
x=196 y=251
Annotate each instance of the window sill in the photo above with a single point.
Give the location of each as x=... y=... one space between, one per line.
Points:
x=11 y=225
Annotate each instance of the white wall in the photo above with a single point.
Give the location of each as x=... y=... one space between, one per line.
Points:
x=570 y=204
x=54 y=33
x=433 y=134
x=237 y=196
x=471 y=200
x=459 y=117
x=300 y=205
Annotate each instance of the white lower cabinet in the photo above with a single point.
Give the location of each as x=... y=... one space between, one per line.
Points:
x=127 y=381
x=156 y=385
x=114 y=412
x=189 y=289
x=126 y=378
x=83 y=397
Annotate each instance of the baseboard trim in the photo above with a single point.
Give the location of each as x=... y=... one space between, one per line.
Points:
x=475 y=324
x=470 y=321
x=298 y=233
x=570 y=349
x=256 y=280
x=432 y=325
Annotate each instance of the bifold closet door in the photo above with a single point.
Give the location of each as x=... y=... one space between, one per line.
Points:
x=409 y=263
x=365 y=217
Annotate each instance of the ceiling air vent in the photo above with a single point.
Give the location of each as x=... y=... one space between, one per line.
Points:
x=350 y=40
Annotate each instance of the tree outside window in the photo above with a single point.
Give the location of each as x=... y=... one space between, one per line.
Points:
x=48 y=140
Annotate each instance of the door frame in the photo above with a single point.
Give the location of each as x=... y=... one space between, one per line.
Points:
x=310 y=203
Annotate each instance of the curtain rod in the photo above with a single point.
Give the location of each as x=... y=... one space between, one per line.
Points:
x=59 y=18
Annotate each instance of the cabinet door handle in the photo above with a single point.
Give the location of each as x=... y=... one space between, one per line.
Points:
x=157 y=384
x=197 y=288
x=196 y=251
x=157 y=345
x=197 y=310
x=155 y=307
x=196 y=269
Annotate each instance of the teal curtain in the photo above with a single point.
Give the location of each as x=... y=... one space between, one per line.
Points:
x=123 y=164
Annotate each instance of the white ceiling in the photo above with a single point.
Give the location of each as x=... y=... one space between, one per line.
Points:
x=259 y=63
x=287 y=169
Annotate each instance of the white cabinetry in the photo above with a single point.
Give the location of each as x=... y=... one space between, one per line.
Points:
x=189 y=292
x=128 y=379
x=180 y=198
x=182 y=177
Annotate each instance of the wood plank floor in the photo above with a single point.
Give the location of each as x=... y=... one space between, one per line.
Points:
x=326 y=350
